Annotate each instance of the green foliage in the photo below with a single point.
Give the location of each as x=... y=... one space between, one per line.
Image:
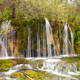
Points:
x=78 y=66
x=76 y=35
x=6 y=14
x=5 y=64
x=29 y=9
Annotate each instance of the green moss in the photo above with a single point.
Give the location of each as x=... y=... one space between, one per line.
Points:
x=5 y=64
x=15 y=75
x=32 y=74
x=41 y=74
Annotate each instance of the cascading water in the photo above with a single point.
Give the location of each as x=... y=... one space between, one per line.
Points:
x=49 y=40
x=38 y=45
x=48 y=35
x=32 y=48
x=44 y=47
x=51 y=50
x=71 y=33
x=66 y=39
x=38 y=42
x=44 y=41
x=67 y=42
x=52 y=65
x=62 y=69
x=3 y=50
x=3 y=38
x=29 y=42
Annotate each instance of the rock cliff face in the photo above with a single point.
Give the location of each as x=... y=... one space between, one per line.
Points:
x=13 y=47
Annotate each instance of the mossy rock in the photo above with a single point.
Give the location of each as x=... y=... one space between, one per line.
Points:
x=35 y=63
x=14 y=62
x=32 y=74
x=43 y=75
x=3 y=71
x=27 y=61
x=5 y=64
x=71 y=59
x=19 y=60
x=40 y=65
x=23 y=67
x=16 y=75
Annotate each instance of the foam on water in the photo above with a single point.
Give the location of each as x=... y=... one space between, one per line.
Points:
x=10 y=72
x=9 y=57
x=8 y=78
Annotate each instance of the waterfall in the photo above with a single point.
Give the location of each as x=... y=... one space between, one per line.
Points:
x=49 y=39
x=51 y=50
x=71 y=33
x=67 y=41
x=44 y=42
x=29 y=42
x=3 y=38
x=38 y=45
x=44 y=47
x=32 y=48
x=3 y=49
x=38 y=42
